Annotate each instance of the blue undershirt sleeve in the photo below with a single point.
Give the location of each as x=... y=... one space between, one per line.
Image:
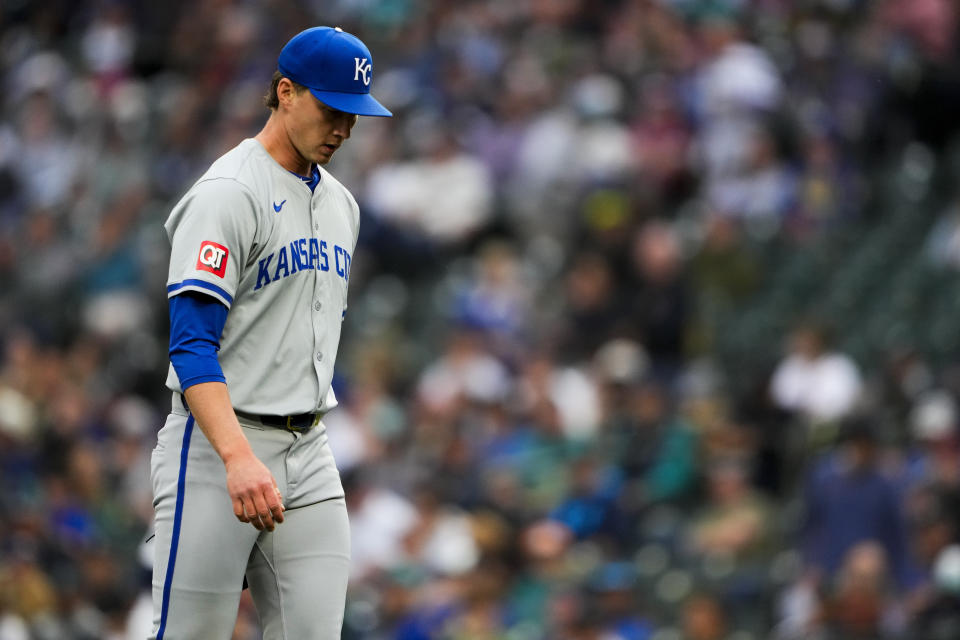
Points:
x=196 y=324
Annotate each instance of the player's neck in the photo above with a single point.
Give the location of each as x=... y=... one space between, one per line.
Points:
x=275 y=140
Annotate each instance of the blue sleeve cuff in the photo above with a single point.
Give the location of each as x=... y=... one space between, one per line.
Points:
x=196 y=324
x=186 y=383
x=199 y=286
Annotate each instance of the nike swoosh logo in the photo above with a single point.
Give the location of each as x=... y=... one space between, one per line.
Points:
x=277 y=207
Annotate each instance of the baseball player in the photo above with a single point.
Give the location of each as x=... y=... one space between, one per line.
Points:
x=245 y=486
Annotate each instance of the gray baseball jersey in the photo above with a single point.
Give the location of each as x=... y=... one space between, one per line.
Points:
x=254 y=236
x=251 y=234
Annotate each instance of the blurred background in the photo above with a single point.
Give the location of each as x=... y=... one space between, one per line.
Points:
x=654 y=329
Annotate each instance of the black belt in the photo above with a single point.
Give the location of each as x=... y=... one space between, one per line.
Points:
x=301 y=423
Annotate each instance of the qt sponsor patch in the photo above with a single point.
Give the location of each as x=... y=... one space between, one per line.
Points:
x=213 y=258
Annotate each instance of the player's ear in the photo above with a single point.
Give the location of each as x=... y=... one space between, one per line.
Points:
x=285 y=91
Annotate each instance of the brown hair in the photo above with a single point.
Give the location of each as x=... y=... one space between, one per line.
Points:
x=270 y=100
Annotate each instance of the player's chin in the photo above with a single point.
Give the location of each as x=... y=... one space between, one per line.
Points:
x=324 y=154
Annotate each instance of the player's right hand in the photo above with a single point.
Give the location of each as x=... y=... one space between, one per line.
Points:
x=253 y=490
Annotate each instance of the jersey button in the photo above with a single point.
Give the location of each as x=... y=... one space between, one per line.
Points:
x=319 y=356
x=316 y=306
x=316 y=226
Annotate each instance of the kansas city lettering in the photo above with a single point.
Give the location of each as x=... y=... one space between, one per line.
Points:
x=305 y=254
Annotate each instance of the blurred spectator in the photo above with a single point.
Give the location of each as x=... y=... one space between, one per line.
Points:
x=828 y=191
x=939 y=619
x=617 y=604
x=481 y=614
x=654 y=449
x=934 y=461
x=442 y=539
x=943 y=241
x=49 y=159
x=813 y=381
x=603 y=144
x=564 y=398
x=594 y=311
x=28 y=597
x=589 y=508
x=861 y=604
x=703 y=618
x=464 y=373
x=762 y=193
x=496 y=299
x=380 y=520
x=658 y=296
x=737 y=87
x=662 y=138
x=732 y=538
x=932 y=519
x=737 y=523
x=847 y=500
x=445 y=197
x=108 y=46
x=724 y=266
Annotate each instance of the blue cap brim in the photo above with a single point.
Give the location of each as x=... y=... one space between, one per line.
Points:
x=362 y=104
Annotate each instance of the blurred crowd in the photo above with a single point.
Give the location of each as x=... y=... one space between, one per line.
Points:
x=540 y=432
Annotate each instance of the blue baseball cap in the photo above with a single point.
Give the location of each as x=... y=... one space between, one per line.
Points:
x=335 y=66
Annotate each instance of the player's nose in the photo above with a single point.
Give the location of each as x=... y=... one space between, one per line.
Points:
x=342 y=124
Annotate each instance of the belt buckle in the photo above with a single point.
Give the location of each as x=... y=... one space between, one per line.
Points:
x=298 y=428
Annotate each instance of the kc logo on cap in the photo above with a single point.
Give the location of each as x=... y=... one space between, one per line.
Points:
x=362 y=68
x=322 y=59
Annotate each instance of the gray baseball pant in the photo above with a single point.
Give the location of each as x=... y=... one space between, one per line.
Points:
x=297 y=573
